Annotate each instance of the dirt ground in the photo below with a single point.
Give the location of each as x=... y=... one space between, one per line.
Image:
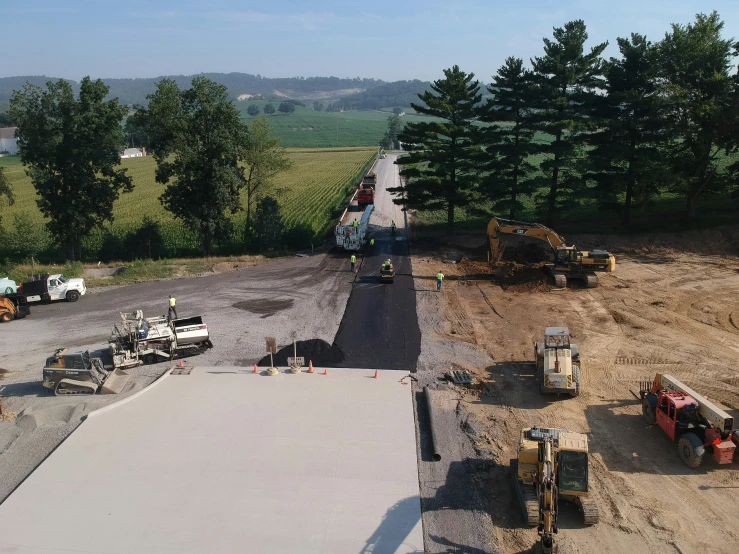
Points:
x=666 y=308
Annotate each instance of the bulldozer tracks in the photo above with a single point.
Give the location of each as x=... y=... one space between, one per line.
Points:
x=626 y=360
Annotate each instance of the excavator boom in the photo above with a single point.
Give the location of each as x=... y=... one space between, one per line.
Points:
x=499 y=226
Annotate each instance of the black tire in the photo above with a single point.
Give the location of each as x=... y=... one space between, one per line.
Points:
x=686 y=450
x=150 y=359
x=647 y=412
x=73 y=296
x=5 y=317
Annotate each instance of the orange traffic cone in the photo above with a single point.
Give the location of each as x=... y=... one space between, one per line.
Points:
x=182 y=363
x=310 y=366
x=255 y=369
x=377 y=374
x=325 y=371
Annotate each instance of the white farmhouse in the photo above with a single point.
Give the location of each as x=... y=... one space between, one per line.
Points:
x=8 y=142
x=134 y=152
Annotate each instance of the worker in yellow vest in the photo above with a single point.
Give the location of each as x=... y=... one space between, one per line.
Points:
x=172 y=309
x=439 y=280
x=353 y=260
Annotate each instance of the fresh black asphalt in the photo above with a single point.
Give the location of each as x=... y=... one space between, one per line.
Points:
x=380 y=328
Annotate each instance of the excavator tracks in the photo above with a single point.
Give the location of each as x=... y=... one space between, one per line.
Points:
x=70 y=386
x=590 y=510
x=526 y=497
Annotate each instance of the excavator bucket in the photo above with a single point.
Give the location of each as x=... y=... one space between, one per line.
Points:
x=115 y=382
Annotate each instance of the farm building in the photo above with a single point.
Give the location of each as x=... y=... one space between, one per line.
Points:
x=8 y=142
x=134 y=152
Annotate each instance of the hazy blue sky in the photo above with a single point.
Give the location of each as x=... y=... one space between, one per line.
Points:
x=402 y=39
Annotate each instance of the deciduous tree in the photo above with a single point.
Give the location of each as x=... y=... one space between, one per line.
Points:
x=253 y=110
x=440 y=165
x=197 y=138
x=262 y=158
x=269 y=109
x=71 y=148
x=287 y=107
x=564 y=77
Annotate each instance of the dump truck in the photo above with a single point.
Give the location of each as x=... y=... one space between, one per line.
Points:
x=369 y=180
x=349 y=237
x=569 y=261
x=138 y=340
x=48 y=288
x=365 y=196
x=11 y=308
x=558 y=368
x=697 y=424
x=80 y=373
x=552 y=465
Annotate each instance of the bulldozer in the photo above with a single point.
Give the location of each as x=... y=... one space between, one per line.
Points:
x=552 y=464
x=558 y=368
x=79 y=373
x=569 y=262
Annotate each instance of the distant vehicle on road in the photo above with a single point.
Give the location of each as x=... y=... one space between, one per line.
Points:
x=47 y=288
x=383 y=156
x=7 y=286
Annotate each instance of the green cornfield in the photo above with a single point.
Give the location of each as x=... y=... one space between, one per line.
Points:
x=311 y=193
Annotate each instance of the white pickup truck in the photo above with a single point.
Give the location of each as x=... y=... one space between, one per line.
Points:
x=46 y=288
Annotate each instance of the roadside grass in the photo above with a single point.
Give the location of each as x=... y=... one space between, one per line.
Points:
x=20 y=272
x=10 y=161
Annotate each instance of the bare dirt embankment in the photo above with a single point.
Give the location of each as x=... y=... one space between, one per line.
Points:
x=671 y=306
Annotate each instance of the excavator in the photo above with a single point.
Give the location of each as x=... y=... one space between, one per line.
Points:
x=569 y=262
x=552 y=464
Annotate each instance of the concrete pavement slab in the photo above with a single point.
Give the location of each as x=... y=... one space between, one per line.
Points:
x=223 y=460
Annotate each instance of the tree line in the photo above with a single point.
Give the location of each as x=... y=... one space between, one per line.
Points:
x=206 y=157
x=662 y=118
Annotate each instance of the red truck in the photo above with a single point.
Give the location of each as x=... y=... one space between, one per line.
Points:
x=365 y=196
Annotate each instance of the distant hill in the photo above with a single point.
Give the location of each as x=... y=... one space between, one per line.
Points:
x=374 y=93
x=385 y=95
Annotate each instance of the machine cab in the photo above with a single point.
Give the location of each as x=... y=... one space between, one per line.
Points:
x=557 y=337
x=567 y=256
x=676 y=412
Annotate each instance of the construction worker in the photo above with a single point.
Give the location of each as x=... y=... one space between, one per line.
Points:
x=387 y=264
x=172 y=309
x=392 y=227
x=439 y=280
x=372 y=242
x=353 y=260
x=356 y=223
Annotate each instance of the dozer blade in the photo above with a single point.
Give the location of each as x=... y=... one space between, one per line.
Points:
x=115 y=382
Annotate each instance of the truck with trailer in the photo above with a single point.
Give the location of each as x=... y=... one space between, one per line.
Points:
x=697 y=424
x=140 y=340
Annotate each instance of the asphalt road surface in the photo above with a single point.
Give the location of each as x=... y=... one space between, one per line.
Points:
x=380 y=326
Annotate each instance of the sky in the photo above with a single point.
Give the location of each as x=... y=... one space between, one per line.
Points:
x=390 y=40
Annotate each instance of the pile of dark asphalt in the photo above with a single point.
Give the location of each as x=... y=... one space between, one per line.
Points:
x=318 y=351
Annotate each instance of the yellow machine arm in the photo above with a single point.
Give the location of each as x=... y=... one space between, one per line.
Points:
x=498 y=227
x=547 y=498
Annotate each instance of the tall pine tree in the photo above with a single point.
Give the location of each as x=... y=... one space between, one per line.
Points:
x=625 y=162
x=699 y=90
x=508 y=146
x=565 y=77
x=441 y=165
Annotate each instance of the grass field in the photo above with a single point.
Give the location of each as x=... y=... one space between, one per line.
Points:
x=307 y=128
x=309 y=193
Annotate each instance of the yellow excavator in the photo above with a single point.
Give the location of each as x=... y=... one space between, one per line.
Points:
x=552 y=464
x=569 y=262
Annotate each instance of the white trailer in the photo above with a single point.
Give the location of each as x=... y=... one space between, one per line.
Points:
x=349 y=237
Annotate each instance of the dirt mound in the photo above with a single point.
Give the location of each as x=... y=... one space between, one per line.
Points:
x=318 y=351
x=525 y=279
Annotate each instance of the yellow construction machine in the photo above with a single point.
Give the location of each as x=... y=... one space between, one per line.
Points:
x=558 y=363
x=552 y=464
x=569 y=262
